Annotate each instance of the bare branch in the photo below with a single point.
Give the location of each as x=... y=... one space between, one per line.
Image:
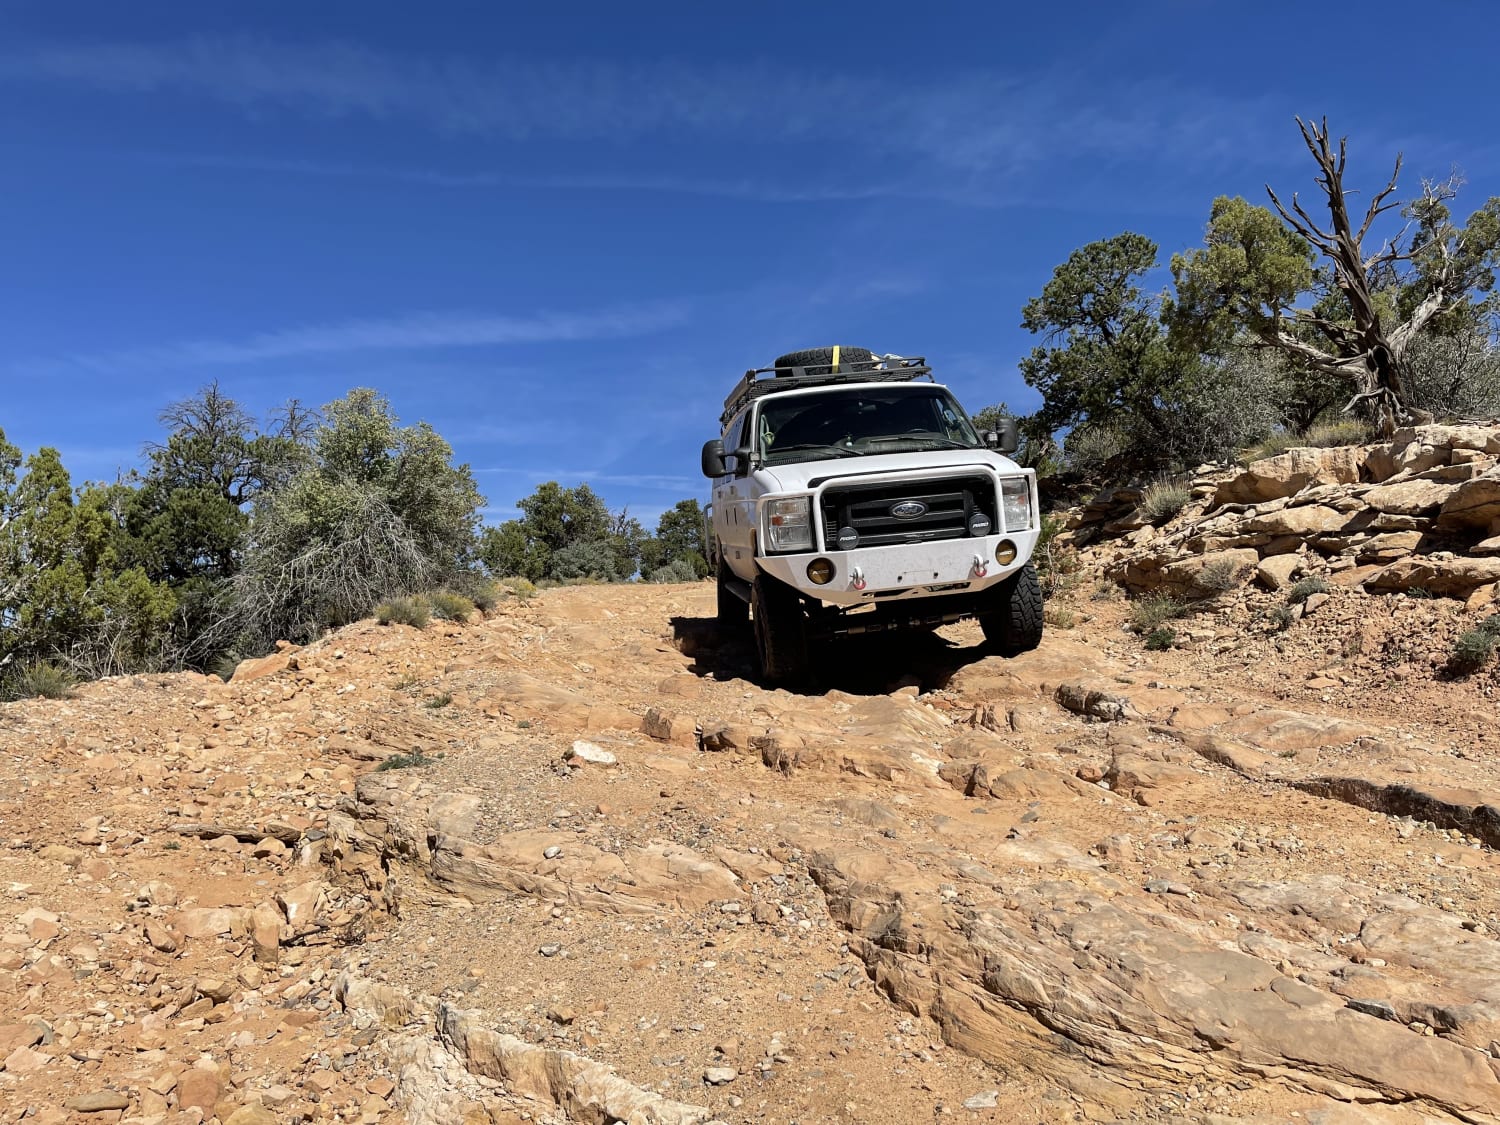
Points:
x=1378 y=206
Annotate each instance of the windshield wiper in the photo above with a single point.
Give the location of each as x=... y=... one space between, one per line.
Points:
x=809 y=446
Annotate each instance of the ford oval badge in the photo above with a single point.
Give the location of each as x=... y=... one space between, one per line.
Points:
x=908 y=509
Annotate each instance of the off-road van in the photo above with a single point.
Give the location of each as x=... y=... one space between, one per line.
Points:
x=851 y=493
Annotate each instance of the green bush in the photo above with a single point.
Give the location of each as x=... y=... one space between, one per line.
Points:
x=1160 y=639
x=522 y=588
x=678 y=570
x=1151 y=612
x=405 y=761
x=42 y=679
x=448 y=606
x=1306 y=588
x=1472 y=651
x=1164 y=499
x=1218 y=576
x=1280 y=618
x=485 y=595
x=438 y=702
x=1490 y=626
x=403 y=611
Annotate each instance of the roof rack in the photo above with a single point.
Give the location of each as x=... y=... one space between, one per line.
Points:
x=885 y=369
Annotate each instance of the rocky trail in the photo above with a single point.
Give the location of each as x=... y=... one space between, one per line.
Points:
x=604 y=875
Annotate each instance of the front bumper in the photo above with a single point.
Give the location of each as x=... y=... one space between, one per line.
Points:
x=898 y=572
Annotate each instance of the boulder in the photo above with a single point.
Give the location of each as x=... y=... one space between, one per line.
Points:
x=1452 y=577
x=1472 y=504
x=1310 y=519
x=1409 y=497
x=1289 y=473
x=1277 y=571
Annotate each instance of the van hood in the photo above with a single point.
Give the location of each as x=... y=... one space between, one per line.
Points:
x=800 y=476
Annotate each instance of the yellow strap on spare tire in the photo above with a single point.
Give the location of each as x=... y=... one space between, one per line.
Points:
x=835 y=358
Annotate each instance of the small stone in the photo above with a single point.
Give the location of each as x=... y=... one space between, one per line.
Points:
x=986 y=1099
x=97 y=1102
x=552 y=853
x=720 y=1075
x=380 y=1087
x=324 y=1080
x=199 y=1086
x=251 y=1115
x=587 y=752
x=161 y=938
x=551 y=949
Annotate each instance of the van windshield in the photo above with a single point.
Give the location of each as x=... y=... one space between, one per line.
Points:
x=858 y=421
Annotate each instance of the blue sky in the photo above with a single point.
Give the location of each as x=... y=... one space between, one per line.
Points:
x=559 y=232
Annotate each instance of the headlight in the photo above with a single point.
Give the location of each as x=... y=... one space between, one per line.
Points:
x=1015 y=503
x=789 y=525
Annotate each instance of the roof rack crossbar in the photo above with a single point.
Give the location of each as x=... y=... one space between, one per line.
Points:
x=753 y=385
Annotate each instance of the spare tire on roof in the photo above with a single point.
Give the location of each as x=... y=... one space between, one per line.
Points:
x=819 y=361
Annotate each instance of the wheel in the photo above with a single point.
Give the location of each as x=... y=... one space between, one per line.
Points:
x=780 y=630
x=819 y=361
x=733 y=613
x=1013 y=624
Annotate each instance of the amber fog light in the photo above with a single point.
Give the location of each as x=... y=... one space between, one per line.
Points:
x=1005 y=552
x=821 y=570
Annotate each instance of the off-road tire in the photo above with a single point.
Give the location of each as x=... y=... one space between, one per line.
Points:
x=1013 y=624
x=819 y=361
x=733 y=613
x=780 y=631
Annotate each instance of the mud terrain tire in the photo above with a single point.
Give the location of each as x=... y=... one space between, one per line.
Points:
x=819 y=361
x=733 y=613
x=1014 y=623
x=780 y=631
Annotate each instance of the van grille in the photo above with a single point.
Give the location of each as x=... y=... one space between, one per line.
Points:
x=867 y=508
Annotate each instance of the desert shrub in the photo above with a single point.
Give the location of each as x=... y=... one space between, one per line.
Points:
x=522 y=588
x=1219 y=576
x=1161 y=638
x=678 y=570
x=1090 y=447
x=438 y=702
x=1164 y=499
x=1305 y=588
x=1154 y=610
x=1059 y=617
x=1420 y=593
x=1340 y=431
x=483 y=592
x=405 y=761
x=1280 y=618
x=448 y=606
x=1472 y=651
x=1104 y=591
x=403 y=611
x=1454 y=375
x=41 y=679
x=1490 y=626
x=1057 y=566
x=1273 y=445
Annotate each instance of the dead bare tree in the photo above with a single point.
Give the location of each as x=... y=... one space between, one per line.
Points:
x=1363 y=348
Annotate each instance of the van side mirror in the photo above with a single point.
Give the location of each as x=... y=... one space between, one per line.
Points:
x=713 y=458
x=1007 y=436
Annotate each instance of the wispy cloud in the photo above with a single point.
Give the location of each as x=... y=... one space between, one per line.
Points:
x=969 y=123
x=751 y=190
x=412 y=332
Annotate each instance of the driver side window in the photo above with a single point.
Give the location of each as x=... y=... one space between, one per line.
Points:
x=733 y=439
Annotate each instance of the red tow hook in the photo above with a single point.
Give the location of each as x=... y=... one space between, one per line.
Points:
x=981 y=568
x=857 y=579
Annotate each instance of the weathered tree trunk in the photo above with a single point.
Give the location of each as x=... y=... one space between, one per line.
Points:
x=1365 y=351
